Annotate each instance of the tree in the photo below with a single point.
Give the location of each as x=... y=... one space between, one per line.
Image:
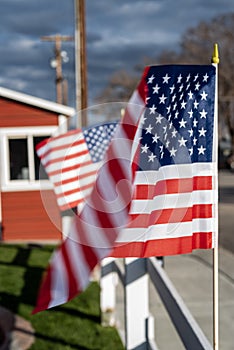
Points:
x=195 y=47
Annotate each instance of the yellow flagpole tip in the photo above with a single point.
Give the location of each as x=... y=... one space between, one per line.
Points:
x=215 y=56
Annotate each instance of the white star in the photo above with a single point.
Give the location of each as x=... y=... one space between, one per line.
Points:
x=195 y=103
x=188 y=77
x=161 y=148
x=150 y=80
x=203 y=95
x=205 y=77
x=166 y=78
x=156 y=138
x=202 y=132
x=181 y=96
x=182 y=142
x=201 y=150
x=194 y=141
x=149 y=129
x=162 y=99
x=169 y=109
x=190 y=132
x=195 y=123
x=176 y=114
x=182 y=123
x=151 y=157
x=156 y=88
x=144 y=148
x=203 y=113
x=158 y=119
x=183 y=104
x=181 y=87
x=152 y=109
x=174 y=132
x=195 y=78
x=173 y=98
x=173 y=152
x=179 y=78
x=167 y=143
x=190 y=95
x=197 y=86
x=172 y=88
x=190 y=151
x=174 y=106
x=188 y=85
x=143 y=119
x=190 y=113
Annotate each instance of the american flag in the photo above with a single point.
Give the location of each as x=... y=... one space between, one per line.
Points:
x=154 y=194
x=173 y=208
x=72 y=160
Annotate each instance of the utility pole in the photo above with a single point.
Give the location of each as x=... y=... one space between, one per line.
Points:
x=80 y=59
x=57 y=39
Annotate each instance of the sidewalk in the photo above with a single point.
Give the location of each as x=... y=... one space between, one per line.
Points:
x=192 y=277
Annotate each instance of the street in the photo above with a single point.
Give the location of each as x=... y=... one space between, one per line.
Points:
x=226 y=210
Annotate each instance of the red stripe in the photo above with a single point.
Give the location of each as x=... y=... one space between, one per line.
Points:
x=75 y=190
x=171 y=186
x=73 y=167
x=70 y=205
x=70 y=156
x=62 y=147
x=164 y=216
x=73 y=286
x=162 y=247
x=75 y=178
x=43 y=142
x=44 y=295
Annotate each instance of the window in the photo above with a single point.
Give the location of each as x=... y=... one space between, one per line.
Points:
x=23 y=159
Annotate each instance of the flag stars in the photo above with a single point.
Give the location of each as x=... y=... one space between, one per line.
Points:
x=204 y=95
x=179 y=79
x=190 y=113
x=151 y=157
x=172 y=88
x=159 y=119
x=202 y=132
x=174 y=132
x=182 y=142
x=152 y=109
x=151 y=79
x=149 y=129
x=173 y=152
x=183 y=104
x=205 y=77
x=144 y=148
x=190 y=95
x=197 y=86
x=201 y=150
x=196 y=77
x=155 y=138
x=183 y=123
x=166 y=79
x=190 y=131
x=162 y=99
x=195 y=104
x=203 y=113
x=156 y=89
x=195 y=122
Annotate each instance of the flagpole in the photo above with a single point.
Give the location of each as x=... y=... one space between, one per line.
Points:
x=215 y=62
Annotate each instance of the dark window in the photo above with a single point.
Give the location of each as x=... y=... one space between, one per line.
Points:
x=39 y=169
x=19 y=168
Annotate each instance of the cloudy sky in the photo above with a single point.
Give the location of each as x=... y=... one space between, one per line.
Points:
x=119 y=35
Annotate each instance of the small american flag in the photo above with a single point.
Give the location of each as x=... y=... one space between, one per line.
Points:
x=71 y=161
x=155 y=193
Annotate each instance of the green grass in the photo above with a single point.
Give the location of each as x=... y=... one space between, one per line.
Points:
x=75 y=325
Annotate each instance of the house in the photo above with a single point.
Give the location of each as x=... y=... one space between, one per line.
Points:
x=28 y=207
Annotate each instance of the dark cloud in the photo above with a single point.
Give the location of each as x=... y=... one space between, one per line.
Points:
x=119 y=35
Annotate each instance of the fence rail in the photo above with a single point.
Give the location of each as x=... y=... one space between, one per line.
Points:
x=138 y=333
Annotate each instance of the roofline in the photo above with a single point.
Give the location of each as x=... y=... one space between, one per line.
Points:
x=37 y=102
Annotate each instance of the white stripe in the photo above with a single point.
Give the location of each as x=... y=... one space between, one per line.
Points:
x=59 y=289
x=168 y=201
x=75 y=185
x=164 y=231
x=66 y=163
x=78 y=263
x=174 y=171
x=69 y=150
x=68 y=174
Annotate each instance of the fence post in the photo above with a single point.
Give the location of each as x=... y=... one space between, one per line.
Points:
x=136 y=304
x=108 y=282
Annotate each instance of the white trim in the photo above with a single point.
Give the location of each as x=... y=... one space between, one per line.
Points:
x=37 y=102
x=8 y=185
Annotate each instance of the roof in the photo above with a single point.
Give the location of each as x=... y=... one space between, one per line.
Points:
x=37 y=102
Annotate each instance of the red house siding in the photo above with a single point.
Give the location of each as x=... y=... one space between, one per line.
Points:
x=25 y=218
x=13 y=114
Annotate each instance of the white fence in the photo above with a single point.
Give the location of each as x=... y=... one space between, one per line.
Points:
x=138 y=333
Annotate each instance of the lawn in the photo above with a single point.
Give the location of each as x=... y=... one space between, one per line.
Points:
x=75 y=325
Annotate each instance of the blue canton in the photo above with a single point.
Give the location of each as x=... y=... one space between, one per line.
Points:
x=178 y=124
x=98 y=139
